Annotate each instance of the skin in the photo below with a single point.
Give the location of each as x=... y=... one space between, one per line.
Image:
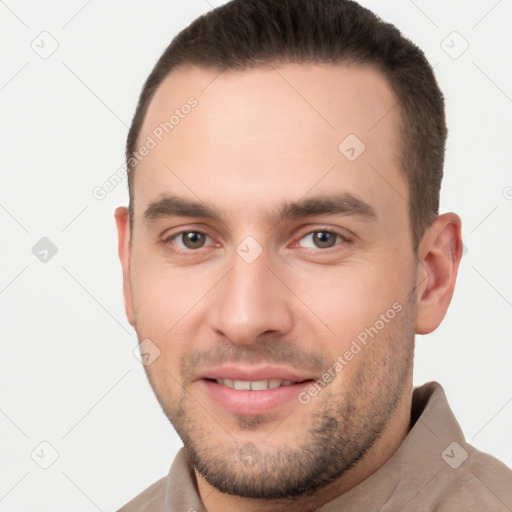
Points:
x=257 y=139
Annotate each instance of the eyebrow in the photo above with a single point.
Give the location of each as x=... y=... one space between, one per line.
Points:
x=173 y=206
x=341 y=204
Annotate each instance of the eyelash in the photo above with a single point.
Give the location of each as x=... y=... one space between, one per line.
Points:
x=343 y=240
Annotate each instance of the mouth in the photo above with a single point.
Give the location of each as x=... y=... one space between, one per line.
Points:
x=256 y=385
x=253 y=392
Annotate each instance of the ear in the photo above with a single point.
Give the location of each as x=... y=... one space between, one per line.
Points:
x=439 y=255
x=123 y=231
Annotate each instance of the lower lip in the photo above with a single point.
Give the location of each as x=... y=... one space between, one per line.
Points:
x=252 y=403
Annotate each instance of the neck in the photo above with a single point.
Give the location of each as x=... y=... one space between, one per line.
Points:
x=385 y=446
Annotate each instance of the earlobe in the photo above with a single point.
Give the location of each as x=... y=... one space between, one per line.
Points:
x=123 y=231
x=439 y=256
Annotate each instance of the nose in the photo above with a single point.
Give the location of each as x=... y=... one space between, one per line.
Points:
x=250 y=302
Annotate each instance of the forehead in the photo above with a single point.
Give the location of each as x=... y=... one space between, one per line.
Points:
x=261 y=133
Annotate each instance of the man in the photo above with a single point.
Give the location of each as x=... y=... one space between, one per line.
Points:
x=281 y=249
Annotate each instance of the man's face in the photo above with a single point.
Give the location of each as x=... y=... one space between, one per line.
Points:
x=274 y=270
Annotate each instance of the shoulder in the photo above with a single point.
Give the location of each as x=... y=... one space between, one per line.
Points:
x=482 y=482
x=150 y=500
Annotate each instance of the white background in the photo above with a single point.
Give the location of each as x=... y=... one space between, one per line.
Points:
x=67 y=372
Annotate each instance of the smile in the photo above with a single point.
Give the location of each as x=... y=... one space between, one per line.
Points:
x=254 y=385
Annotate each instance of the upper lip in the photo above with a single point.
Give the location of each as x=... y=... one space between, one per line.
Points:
x=247 y=373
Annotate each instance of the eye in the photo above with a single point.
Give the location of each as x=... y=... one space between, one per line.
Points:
x=321 y=239
x=188 y=240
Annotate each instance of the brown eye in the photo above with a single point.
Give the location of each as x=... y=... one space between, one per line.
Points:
x=324 y=239
x=193 y=239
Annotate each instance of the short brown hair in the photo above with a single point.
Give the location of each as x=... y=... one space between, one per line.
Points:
x=249 y=33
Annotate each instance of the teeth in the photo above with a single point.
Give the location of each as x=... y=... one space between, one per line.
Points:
x=242 y=384
x=259 y=385
x=254 y=385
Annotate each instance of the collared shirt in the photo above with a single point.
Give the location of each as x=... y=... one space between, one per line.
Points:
x=434 y=469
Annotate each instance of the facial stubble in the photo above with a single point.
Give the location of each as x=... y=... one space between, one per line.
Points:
x=346 y=423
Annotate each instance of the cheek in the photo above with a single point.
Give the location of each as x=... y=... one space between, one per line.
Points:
x=169 y=307
x=156 y=300
x=350 y=298
x=161 y=294
x=153 y=305
x=158 y=309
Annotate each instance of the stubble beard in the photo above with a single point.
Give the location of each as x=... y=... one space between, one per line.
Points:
x=344 y=427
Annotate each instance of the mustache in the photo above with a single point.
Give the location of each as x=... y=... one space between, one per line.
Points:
x=267 y=351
